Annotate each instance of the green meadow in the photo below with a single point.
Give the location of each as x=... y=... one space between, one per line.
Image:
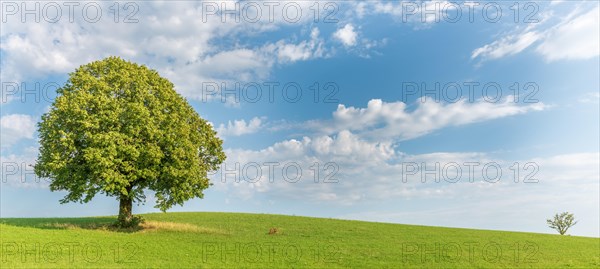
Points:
x=234 y=240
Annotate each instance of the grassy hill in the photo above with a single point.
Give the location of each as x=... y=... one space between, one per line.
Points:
x=220 y=240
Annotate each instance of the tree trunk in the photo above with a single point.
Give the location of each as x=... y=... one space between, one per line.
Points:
x=125 y=213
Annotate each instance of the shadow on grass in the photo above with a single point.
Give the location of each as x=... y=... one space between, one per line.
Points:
x=108 y=224
x=95 y=223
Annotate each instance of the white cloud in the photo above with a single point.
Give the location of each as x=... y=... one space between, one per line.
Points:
x=393 y=121
x=339 y=157
x=360 y=143
x=302 y=51
x=346 y=35
x=16 y=127
x=508 y=45
x=240 y=127
x=171 y=38
x=374 y=174
x=574 y=37
x=371 y=172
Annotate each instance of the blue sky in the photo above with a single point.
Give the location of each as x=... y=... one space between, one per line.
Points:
x=534 y=102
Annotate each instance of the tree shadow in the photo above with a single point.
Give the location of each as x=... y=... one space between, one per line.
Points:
x=91 y=223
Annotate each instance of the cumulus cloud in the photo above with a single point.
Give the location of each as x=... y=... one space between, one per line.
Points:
x=16 y=127
x=358 y=148
x=344 y=169
x=393 y=121
x=240 y=127
x=347 y=35
x=176 y=40
x=310 y=169
x=304 y=50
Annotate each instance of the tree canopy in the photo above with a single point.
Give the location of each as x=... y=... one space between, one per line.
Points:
x=562 y=222
x=118 y=128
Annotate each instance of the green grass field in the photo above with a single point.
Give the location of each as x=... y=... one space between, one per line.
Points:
x=232 y=240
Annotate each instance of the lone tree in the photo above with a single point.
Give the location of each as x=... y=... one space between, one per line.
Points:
x=119 y=128
x=562 y=222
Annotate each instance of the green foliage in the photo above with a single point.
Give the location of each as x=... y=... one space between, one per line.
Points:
x=119 y=128
x=562 y=222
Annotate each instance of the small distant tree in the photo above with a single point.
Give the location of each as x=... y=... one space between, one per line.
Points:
x=118 y=128
x=562 y=222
